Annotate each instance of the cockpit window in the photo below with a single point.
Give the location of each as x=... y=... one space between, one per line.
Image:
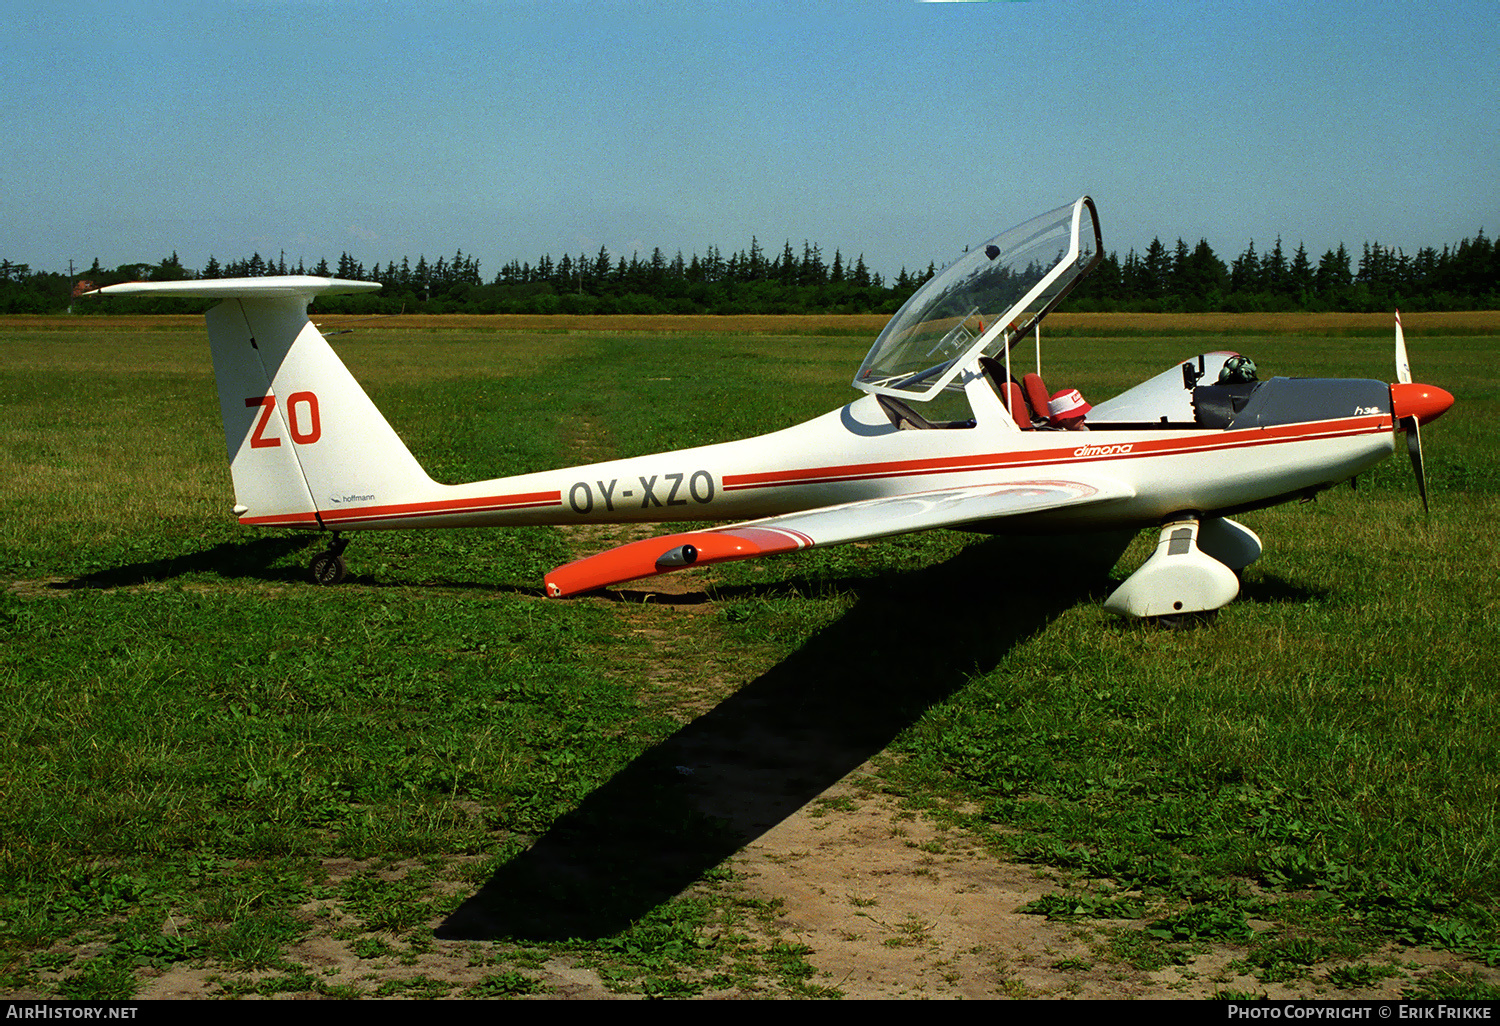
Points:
x=983 y=301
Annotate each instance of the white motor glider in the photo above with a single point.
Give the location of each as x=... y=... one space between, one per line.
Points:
x=1182 y=450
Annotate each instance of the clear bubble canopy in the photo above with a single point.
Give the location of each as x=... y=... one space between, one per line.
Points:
x=982 y=303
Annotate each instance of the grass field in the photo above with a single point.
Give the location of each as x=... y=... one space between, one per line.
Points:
x=206 y=762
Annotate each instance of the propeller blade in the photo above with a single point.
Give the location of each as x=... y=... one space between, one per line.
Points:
x=1414 y=449
x=1403 y=365
x=1411 y=404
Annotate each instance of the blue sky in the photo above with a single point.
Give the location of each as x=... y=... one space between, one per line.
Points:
x=903 y=130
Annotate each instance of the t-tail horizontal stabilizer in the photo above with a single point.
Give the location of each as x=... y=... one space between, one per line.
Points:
x=1179 y=578
x=303 y=438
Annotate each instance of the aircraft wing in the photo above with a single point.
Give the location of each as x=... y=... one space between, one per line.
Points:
x=830 y=525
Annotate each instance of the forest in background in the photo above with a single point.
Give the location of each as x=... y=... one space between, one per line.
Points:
x=1465 y=276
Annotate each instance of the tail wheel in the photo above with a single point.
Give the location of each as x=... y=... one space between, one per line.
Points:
x=328 y=568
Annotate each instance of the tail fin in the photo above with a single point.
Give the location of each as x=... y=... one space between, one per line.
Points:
x=303 y=437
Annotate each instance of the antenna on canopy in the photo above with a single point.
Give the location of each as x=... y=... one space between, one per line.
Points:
x=1038 y=348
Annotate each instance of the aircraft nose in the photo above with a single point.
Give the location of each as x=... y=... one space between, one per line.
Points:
x=1425 y=402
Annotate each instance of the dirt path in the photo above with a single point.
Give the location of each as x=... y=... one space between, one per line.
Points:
x=889 y=906
x=893 y=906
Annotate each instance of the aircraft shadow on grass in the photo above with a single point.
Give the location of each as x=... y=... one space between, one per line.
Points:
x=1266 y=587
x=783 y=739
x=267 y=559
x=231 y=559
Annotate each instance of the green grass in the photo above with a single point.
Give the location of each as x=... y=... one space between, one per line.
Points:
x=207 y=761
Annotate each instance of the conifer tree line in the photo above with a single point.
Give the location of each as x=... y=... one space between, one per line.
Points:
x=1464 y=276
x=1461 y=277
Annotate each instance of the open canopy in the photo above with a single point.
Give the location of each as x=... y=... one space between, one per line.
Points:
x=982 y=302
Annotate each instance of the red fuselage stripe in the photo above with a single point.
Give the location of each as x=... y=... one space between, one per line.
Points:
x=1094 y=447
x=282 y=520
x=481 y=504
x=1123 y=450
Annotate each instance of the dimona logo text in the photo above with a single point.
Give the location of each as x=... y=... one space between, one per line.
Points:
x=1104 y=450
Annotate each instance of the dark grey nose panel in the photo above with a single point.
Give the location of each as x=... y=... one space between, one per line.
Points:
x=1298 y=400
